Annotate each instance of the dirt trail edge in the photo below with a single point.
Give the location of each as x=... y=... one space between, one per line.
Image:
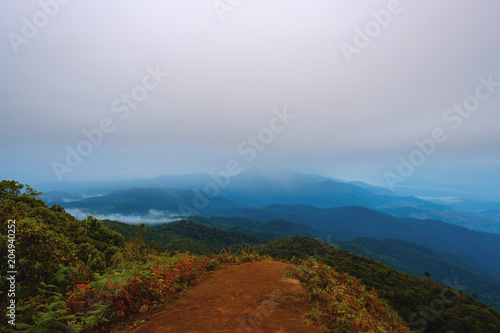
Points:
x=251 y=297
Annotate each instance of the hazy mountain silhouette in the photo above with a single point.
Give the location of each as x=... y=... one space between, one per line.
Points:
x=260 y=187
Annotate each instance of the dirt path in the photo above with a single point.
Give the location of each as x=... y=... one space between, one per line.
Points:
x=244 y=298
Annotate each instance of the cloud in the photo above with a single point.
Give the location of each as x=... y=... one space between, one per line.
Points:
x=448 y=200
x=154 y=216
x=227 y=76
x=81 y=196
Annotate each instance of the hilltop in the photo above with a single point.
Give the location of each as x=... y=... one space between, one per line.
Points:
x=251 y=296
x=79 y=275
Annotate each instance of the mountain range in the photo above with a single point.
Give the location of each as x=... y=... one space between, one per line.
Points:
x=194 y=195
x=269 y=204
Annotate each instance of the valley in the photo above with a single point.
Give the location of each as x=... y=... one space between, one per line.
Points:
x=269 y=204
x=384 y=272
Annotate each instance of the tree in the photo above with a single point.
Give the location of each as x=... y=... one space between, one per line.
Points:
x=142 y=230
x=40 y=251
x=428 y=275
x=10 y=189
x=104 y=239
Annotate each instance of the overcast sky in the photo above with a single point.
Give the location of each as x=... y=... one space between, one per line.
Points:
x=355 y=102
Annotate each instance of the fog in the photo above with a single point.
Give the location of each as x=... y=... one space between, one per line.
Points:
x=93 y=90
x=154 y=217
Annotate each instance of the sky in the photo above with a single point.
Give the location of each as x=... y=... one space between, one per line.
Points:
x=391 y=92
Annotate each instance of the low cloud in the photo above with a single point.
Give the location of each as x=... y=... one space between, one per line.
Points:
x=153 y=217
x=442 y=199
x=81 y=197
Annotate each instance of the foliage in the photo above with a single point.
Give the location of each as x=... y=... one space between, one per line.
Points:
x=10 y=189
x=270 y=230
x=54 y=252
x=415 y=259
x=422 y=303
x=105 y=240
x=341 y=303
x=123 y=292
x=185 y=236
x=79 y=275
x=83 y=275
x=483 y=249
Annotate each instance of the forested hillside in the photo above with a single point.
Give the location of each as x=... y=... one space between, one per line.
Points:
x=426 y=305
x=482 y=250
x=77 y=275
x=415 y=259
x=403 y=256
x=187 y=235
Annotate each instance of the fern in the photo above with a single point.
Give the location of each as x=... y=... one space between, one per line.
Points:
x=342 y=304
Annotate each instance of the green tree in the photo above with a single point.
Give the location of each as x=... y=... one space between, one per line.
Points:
x=104 y=239
x=40 y=251
x=10 y=189
x=142 y=230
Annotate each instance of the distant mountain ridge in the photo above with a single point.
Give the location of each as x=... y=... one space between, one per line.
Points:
x=481 y=249
x=205 y=235
x=258 y=188
x=140 y=201
x=245 y=191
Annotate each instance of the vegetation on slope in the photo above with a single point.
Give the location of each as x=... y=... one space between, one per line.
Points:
x=424 y=304
x=187 y=235
x=415 y=259
x=74 y=275
x=351 y=222
x=77 y=276
x=341 y=303
x=404 y=256
x=270 y=230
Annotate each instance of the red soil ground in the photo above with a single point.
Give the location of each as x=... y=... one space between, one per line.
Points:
x=253 y=297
